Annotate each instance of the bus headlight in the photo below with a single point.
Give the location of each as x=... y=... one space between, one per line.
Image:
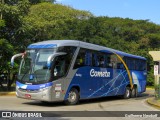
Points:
x=43 y=89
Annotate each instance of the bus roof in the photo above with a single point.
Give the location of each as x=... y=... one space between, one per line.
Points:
x=58 y=43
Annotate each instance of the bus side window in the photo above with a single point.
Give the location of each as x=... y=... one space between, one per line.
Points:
x=119 y=63
x=88 y=58
x=108 y=62
x=120 y=66
x=80 y=60
x=142 y=65
x=112 y=61
x=59 y=67
x=101 y=60
x=137 y=64
x=98 y=59
x=94 y=59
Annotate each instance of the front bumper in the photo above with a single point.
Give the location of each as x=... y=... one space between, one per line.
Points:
x=41 y=94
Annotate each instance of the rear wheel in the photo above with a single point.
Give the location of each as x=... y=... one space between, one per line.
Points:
x=127 y=93
x=73 y=97
x=134 y=92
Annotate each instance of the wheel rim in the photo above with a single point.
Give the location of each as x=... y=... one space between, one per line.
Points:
x=72 y=96
x=127 y=93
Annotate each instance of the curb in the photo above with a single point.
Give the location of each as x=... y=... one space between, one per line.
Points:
x=7 y=93
x=152 y=103
x=149 y=88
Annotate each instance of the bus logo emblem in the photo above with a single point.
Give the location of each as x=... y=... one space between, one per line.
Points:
x=94 y=73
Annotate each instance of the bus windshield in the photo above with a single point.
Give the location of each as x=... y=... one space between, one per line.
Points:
x=33 y=67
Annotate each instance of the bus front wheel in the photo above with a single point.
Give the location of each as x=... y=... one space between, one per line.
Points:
x=73 y=97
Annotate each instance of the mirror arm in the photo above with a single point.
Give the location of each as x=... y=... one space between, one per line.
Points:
x=15 y=56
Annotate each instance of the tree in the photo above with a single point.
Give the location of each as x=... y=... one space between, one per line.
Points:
x=16 y=28
x=46 y=20
x=27 y=21
x=12 y=13
x=40 y=1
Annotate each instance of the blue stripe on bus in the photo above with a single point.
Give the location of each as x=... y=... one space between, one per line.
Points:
x=42 y=46
x=33 y=87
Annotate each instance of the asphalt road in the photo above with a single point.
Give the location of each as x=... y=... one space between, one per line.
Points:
x=11 y=103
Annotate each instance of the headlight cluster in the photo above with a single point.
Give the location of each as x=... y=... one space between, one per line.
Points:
x=43 y=89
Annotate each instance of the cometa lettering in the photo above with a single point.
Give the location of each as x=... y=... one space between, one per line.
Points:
x=94 y=73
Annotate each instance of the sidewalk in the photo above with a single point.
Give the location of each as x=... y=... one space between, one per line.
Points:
x=7 y=93
x=153 y=102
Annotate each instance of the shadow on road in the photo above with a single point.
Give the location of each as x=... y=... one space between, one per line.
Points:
x=143 y=96
x=88 y=101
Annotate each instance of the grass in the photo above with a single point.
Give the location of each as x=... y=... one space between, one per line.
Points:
x=150 y=87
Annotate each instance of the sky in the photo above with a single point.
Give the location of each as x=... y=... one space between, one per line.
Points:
x=134 y=9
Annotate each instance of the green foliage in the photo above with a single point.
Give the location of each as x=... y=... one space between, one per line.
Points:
x=2 y=23
x=6 y=50
x=135 y=37
x=40 y=1
x=28 y=21
x=154 y=40
x=10 y=2
x=45 y=20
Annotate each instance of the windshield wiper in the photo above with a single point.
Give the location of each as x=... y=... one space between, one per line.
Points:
x=25 y=74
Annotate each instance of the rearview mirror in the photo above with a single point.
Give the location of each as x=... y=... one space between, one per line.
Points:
x=15 y=56
x=51 y=57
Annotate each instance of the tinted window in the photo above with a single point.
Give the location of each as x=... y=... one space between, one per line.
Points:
x=98 y=59
x=84 y=58
x=61 y=64
x=59 y=68
x=94 y=59
x=70 y=50
x=135 y=64
x=142 y=65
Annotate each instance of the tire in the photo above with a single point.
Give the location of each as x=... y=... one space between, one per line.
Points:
x=127 y=93
x=134 y=92
x=73 y=97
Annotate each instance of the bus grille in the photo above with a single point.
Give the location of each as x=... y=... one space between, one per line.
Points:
x=30 y=91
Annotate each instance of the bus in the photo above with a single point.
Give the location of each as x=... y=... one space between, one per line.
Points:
x=71 y=70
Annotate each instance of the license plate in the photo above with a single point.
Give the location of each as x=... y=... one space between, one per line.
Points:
x=27 y=96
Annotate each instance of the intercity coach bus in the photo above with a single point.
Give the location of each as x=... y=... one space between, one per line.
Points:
x=70 y=70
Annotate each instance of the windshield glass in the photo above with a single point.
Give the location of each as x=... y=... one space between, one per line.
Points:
x=33 y=67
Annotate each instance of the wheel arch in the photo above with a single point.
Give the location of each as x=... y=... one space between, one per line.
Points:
x=134 y=86
x=76 y=86
x=67 y=98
